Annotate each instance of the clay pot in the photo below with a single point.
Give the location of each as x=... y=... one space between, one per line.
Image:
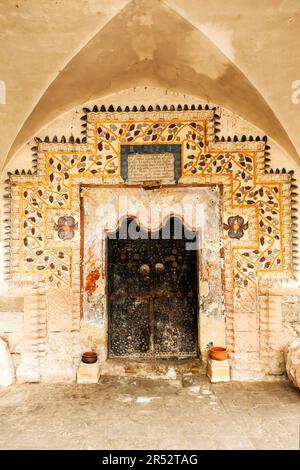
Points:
x=89 y=357
x=218 y=353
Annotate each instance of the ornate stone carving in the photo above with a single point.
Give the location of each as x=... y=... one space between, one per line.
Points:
x=66 y=227
x=236 y=226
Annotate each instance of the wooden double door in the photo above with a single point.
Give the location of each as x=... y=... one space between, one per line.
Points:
x=152 y=293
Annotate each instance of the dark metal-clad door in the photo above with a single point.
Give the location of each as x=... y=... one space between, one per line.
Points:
x=152 y=295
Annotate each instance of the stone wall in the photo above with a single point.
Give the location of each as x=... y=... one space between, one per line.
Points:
x=46 y=224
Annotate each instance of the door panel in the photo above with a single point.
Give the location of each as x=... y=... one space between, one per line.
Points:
x=129 y=322
x=152 y=297
x=175 y=303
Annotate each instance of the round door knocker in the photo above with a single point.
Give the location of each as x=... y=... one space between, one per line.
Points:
x=159 y=268
x=144 y=270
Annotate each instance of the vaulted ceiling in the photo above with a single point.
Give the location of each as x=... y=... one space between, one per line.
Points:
x=56 y=54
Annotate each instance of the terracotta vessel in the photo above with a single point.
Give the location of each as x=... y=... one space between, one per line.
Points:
x=218 y=353
x=89 y=357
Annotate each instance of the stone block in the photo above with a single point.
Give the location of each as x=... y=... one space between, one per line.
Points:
x=58 y=361
x=246 y=341
x=59 y=347
x=218 y=371
x=28 y=370
x=88 y=373
x=246 y=322
x=246 y=366
x=59 y=310
x=247 y=359
x=11 y=322
x=246 y=375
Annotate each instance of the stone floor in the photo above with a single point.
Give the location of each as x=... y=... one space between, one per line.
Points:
x=149 y=414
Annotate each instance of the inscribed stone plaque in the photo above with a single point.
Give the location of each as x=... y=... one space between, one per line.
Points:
x=147 y=167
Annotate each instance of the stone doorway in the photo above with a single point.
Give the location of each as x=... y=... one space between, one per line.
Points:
x=103 y=211
x=152 y=291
